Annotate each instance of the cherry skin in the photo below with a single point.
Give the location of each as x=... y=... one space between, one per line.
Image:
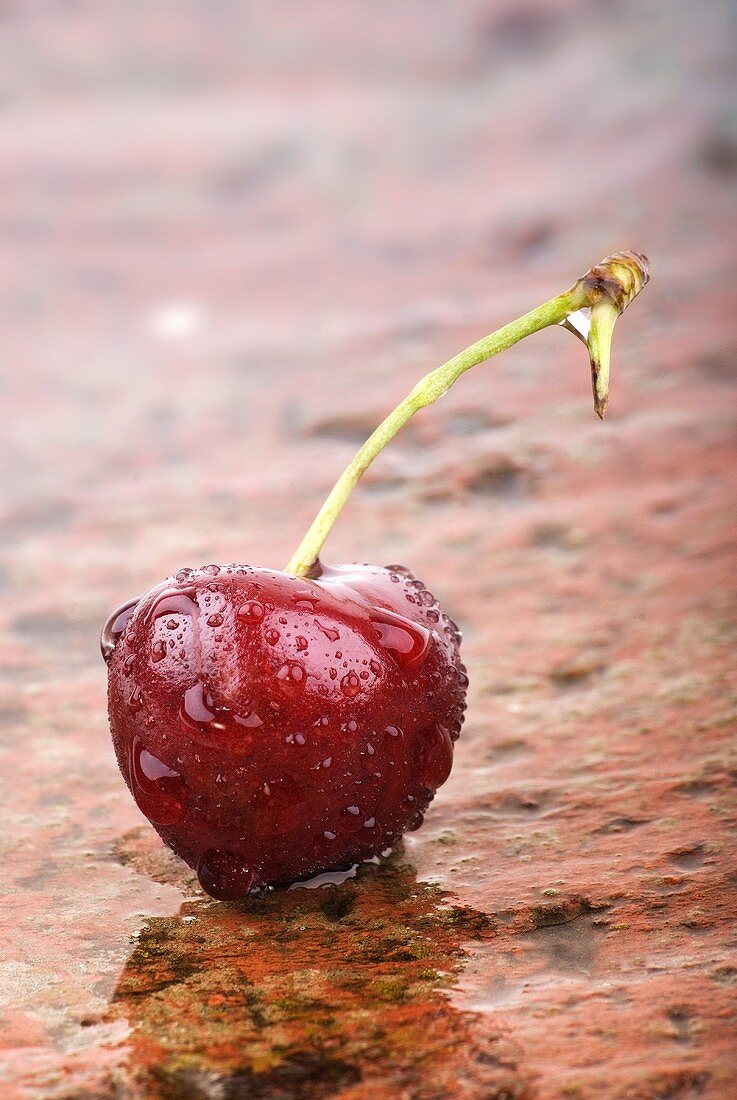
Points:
x=271 y=727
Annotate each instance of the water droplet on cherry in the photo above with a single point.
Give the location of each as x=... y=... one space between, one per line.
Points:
x=251 y=612
x=350 y=685
x=291 y=678
x=329 y=631
x=407 y=642
x=225 y=875
x=435 y=756
x=159 y=791
x=115 y=627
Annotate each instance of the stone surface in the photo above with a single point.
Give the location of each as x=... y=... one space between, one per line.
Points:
x=233 y=238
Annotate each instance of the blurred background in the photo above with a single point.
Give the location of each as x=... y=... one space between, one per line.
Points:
x=232 y=236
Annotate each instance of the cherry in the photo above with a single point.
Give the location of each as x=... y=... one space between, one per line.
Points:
x=272 y=725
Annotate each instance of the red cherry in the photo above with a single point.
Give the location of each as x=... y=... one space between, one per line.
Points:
x=271 y=727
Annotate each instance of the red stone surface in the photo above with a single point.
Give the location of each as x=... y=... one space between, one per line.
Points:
x=232 y=238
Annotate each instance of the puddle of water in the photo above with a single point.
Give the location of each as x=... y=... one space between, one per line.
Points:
x=307 y=992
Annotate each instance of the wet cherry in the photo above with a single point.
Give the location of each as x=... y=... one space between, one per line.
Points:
x=263 y=758
x=275 y=725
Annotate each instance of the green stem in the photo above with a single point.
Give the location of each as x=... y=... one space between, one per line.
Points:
x=427 y=390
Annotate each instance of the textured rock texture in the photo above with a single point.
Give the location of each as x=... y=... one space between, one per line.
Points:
x=233 y=237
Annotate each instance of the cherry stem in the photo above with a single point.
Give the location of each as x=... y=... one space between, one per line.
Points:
x=605 y=291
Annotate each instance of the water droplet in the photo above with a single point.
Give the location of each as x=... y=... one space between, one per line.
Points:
x=200 y=714
x=301 y=642
x=272 y=636
x=432 y=615
x=184 y=575
x=135 y=700
x=305 y=598
x=114 y=627
x=225 y=875
x=158 y=651
x=375 y=667
x=415 y=823
x=435 y=756
x=350 y=685
x=291 y=678
x=353 y=810
x=328 y=835
x=393 y=731
x=213 y=570
x=407 y=642
x=159 y=791
x=369 y=823
x=335 y=877
x=251 y=612
x=129 y=664
x=329 y=631
x=172 y=602
x=250 y=720
x=215 y=620
x=194 y=705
